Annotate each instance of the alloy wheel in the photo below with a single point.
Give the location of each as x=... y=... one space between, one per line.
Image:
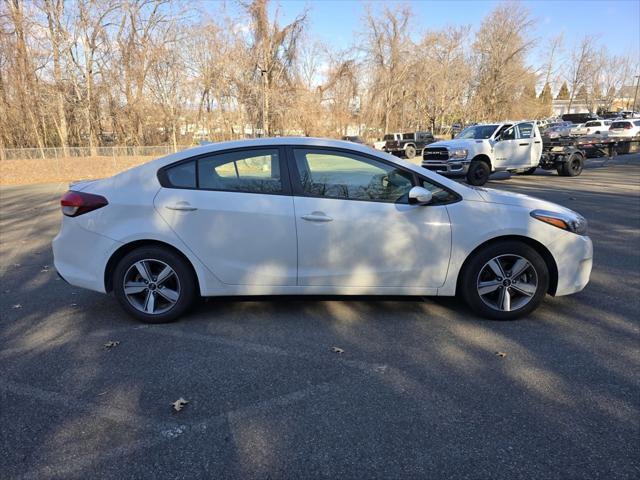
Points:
x=151 y=286
x=507 y=282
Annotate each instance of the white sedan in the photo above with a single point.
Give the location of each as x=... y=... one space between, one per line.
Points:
x=289 y=216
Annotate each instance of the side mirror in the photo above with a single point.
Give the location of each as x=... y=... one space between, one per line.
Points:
x=420 y=196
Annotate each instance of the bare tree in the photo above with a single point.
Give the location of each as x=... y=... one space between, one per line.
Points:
x=580 y=70
x=387 y=49
x=500 y=48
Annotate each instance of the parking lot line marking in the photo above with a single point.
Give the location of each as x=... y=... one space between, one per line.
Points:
x=107 y=412
x=66 y=469
x=360 y=365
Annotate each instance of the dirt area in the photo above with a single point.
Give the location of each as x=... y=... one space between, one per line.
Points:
x=50 y=170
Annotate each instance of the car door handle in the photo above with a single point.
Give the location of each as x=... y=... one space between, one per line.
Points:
x=316 y=217
x=524 y=144
x=181 y=206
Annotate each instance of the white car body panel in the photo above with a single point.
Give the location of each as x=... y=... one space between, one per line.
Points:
x=245 y=238
x=389 y=252
x=368 y=247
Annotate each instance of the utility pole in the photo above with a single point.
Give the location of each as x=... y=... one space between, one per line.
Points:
x=265 y=104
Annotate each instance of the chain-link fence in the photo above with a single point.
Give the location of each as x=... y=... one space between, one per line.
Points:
x=19 y=166
x=76 y=152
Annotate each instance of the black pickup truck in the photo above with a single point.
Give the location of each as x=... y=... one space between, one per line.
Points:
x=409 y=144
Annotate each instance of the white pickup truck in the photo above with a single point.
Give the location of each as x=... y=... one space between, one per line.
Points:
x=479 y=150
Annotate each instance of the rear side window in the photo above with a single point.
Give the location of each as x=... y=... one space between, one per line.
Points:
x=619 y=124
x=182 y=175
x=250 y=171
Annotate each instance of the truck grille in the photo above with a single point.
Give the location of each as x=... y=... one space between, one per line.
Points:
x=436 y=153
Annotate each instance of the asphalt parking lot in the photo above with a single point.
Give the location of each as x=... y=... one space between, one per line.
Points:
x=418 y=392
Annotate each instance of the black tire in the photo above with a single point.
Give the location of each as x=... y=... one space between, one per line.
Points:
x=478 y=173
x=573 y=166
x=186 y=281
x=410 y=151
x=470 y=275
x=531 y=171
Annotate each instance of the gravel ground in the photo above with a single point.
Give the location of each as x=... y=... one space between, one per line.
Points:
x=419 y=391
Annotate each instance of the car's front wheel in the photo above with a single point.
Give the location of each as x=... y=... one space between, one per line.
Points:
x=154 y=284
x=505 y=280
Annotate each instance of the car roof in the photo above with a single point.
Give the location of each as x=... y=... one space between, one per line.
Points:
x=154 y=165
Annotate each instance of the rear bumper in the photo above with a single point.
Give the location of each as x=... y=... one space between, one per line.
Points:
x=80 y=256
x=574 y=259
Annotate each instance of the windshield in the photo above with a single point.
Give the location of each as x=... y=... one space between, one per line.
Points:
x=478 y=132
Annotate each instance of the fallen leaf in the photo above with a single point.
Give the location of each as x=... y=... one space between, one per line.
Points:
x=337 y=350
x=111 y=344
x=74 y=304
x=501 y=354
x=381 y=368
x=16 y=265
x=179 y=404
x=17 y=305
x=100 y=394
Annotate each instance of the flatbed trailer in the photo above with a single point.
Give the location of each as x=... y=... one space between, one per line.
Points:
x=568 y=154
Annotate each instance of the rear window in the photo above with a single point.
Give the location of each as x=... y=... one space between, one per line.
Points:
x=637 y=124
x=620 y=124
x=182 y=175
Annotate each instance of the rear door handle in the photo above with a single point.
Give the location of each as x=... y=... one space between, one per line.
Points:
x=181 y=206
x=316 y=217
x=524 y=144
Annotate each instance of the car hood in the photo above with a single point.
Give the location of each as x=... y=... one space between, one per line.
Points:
x=519 y=200
x=452 y=144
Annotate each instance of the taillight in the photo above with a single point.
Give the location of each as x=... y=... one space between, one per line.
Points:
x=77 y=203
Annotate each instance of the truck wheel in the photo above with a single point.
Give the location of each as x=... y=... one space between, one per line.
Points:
x=410 y=151
x=478 y=173
x=573 y=166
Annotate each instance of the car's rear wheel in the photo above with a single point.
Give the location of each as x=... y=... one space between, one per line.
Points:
x=572 y=167
x=505 y=280
x=410 y=151
x=154 y=284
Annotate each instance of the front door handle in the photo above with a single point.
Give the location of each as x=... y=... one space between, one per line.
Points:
x=316 y=217
x=181 y=206
x=524 y=144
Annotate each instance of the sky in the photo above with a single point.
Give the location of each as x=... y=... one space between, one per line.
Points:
x=615 y=22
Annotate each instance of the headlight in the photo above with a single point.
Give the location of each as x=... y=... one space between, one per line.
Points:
x=458 y=154
x=571 y=222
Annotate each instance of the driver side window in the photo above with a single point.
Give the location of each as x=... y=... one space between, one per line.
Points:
x=334 y=174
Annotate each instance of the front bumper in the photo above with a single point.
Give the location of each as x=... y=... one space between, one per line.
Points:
x=448 y=168
x=574 y=259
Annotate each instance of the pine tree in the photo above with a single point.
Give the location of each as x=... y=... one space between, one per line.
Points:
x=582 y=93
x=563 y=94
x=546 y=96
